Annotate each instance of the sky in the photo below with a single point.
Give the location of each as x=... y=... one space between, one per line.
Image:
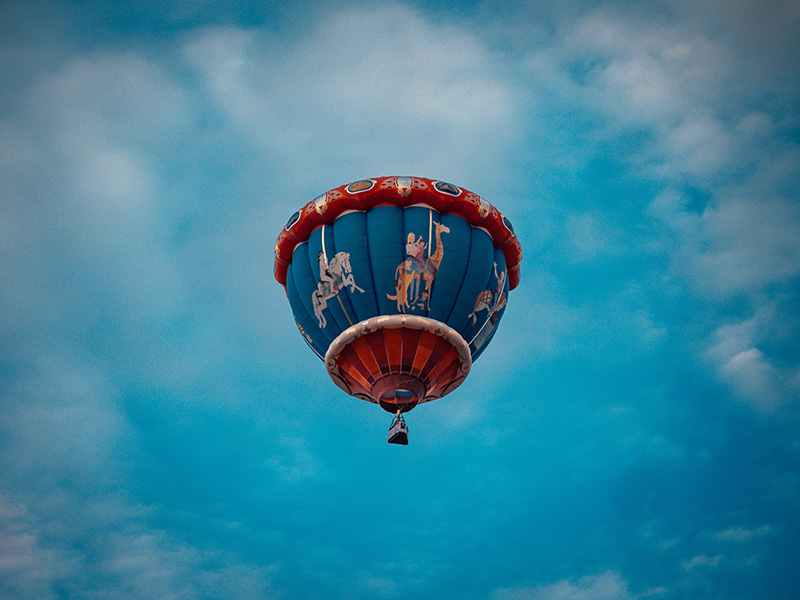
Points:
x=631 y=432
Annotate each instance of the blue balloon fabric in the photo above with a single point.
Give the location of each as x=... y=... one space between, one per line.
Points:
x=397 y=260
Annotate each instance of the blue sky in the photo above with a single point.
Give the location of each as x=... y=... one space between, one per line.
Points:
x=631 y=433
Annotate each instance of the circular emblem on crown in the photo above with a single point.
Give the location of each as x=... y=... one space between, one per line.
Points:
x=363 y=185
x=447 y=188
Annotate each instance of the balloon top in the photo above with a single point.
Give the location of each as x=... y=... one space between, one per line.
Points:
x=400 y=191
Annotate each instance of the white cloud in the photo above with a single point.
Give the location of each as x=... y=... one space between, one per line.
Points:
x=751 y=374
x=60 y=421
x=717 y=151
x=110 y=241
x=679 y=85
x=149 y=564
x=738 y=246
x=93 y=287
x=378 y=585
x=743 y=534
x=366 y=91
x=751 y=243
x=740 y=363
x=682 y=88
x=765 y=39
x=86 y=553
x=701 y=561
x=645 y=70
x=86 y=233
x=606 y=586
x=27 y=569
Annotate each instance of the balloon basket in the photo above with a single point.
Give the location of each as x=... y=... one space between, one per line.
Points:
x=398 y=431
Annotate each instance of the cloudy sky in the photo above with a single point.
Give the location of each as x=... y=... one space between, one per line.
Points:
x=631 y=433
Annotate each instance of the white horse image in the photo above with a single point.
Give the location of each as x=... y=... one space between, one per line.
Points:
x=333 y=277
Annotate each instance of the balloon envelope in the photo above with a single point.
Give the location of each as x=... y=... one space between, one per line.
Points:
x=398 y=284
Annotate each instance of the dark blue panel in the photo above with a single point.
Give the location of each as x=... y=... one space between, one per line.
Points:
x=304 y=284
x=491 y=313
x=350 y=235
x=386 y=252
x=450 y=275
x=306 y=322
x=478 y=351
x=479 y=269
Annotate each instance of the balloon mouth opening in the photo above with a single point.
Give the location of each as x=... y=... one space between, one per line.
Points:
x=398 y=391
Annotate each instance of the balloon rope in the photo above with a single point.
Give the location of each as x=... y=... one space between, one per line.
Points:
x=344 y=310
x=430 y=231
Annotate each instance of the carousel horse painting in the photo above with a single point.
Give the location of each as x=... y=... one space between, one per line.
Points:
x=334 y=275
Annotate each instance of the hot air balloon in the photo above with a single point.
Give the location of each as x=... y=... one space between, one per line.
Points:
x=398 y=285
